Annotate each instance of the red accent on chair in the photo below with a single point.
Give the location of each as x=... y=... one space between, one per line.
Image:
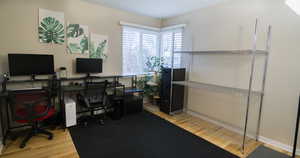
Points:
x=39 y=109
x=32 y=107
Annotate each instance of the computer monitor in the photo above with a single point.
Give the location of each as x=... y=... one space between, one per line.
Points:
x=30 y=64
x=88 y=66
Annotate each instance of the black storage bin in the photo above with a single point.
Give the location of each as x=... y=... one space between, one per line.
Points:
x=118 y=108
x=133 y=104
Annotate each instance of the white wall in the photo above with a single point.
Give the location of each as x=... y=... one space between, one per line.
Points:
x=19 y=30
x=230 y=25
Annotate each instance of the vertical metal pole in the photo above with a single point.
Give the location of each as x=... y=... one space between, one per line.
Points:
x=250 y=86
x=296 y=131
x=264 y=81
x=187 y=79
x=172 y=65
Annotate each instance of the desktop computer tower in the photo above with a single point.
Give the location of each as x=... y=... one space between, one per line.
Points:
x=166 y=105
x=70 y=112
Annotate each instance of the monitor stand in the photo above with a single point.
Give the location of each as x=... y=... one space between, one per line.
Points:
x=88 y=75
x=32 y=77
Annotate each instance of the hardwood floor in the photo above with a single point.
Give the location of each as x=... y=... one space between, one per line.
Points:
x=62 y=145
x=40 y=147
x=217 y=135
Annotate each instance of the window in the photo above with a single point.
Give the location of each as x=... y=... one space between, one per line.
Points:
x=170 y=39
x=141 y=44
x=138 y=46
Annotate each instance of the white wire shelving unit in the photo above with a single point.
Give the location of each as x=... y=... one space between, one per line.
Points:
x=249 y=92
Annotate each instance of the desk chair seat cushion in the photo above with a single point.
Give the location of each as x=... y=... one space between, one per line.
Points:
x=39 y=109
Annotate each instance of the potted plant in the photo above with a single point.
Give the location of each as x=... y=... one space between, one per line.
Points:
x=150 y=83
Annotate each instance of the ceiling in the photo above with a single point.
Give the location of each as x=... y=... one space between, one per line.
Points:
x=294 y=5
x=157 y=8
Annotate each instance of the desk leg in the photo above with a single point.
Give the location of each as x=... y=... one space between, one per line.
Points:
x=115 y=85
x=61 y=97
x=3 y=132
x=5 y=126
x=63 y=111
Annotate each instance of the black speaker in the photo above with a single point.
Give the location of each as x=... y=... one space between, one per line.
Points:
x=166 y=105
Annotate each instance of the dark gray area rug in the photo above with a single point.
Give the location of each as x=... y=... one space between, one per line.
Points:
x=142 y=135
x=264 y=152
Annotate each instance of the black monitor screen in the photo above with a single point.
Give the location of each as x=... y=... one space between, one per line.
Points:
x=85 y=65
x=30 y=64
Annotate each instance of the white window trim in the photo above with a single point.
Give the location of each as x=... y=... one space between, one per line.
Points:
x=157 y=29
x=173 y=27
x=123 y=23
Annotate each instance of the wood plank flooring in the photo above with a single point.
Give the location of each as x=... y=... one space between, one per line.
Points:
x=217 y=135
x=62 y=145
x=40 y=147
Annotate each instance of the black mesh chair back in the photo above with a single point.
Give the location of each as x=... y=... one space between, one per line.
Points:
x=95 y=92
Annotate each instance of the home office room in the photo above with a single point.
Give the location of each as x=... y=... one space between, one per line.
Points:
x=149 y=79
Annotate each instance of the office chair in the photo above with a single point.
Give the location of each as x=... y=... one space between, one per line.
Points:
x=94 y=99
x=31 y=107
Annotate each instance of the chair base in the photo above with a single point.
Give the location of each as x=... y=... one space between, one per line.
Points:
x=33 y=132
x=85 y=119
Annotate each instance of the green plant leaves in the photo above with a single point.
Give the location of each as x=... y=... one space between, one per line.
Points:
x=154 y=64
x=51 y=31
x=74 y=30
x=77 y=38
x=73 y=47
x=98 y=52
x=84 y=44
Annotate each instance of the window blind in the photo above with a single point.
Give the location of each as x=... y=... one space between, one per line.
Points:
x=171 y=39
x=138 y=45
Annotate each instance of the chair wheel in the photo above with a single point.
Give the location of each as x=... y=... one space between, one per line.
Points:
x=85 y=124
x=22 y=146
x=50 y=137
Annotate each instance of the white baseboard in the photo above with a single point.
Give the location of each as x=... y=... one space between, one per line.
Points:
x=262 y=139
x=220 y=123
x=278 y=144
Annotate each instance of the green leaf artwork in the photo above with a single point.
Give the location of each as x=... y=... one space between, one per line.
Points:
x=51 y=27
x=74 y=30
x=73 y=47
x=78 y=41
x=98 y=46
x=84 y=44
